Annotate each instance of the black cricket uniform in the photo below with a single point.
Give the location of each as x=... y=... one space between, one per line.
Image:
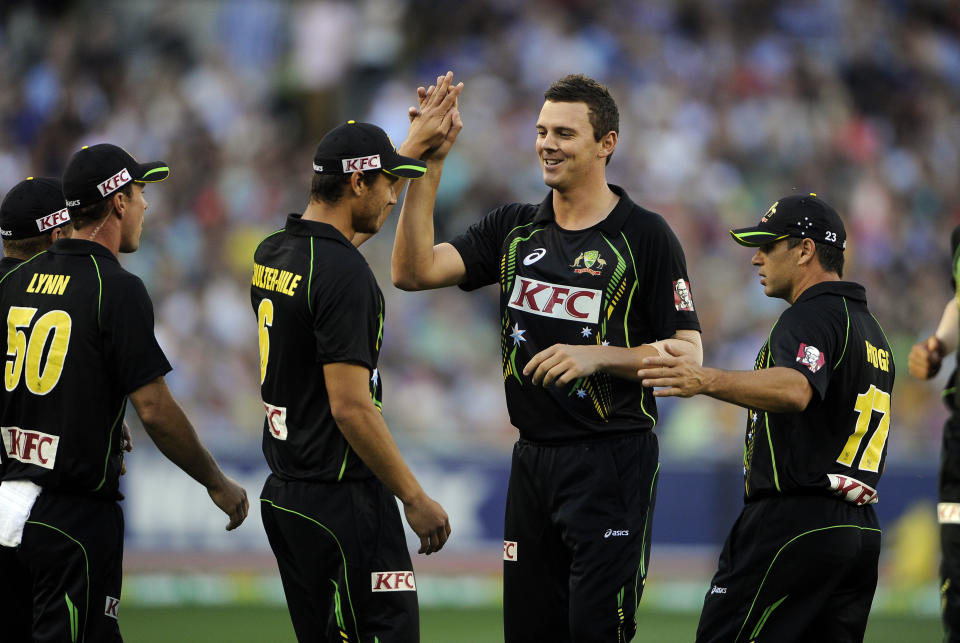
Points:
x=7 y=264
x=800 y=563
x=79 y=339
x=948 y=507
x=583 y=477
x=333 y=526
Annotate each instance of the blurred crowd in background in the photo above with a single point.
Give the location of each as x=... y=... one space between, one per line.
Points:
x=725 y=106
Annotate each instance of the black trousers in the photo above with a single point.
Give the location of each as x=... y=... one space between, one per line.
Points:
x=949 y=513
x=63 y=582
x=794 y=569
x=343 y=560
x=577 y=539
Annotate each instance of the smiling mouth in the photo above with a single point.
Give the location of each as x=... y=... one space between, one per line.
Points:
x=552 y=162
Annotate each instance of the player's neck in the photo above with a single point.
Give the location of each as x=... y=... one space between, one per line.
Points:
x=583 y=205
x=338 y=215
x=808 y=280
x=106 y=232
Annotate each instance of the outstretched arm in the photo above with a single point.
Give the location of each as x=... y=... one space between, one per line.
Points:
x=778 y=389
x=364 y=428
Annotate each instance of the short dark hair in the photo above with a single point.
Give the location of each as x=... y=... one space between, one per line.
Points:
x=26 y=248
x=830 y=257
x=82 y=216
x=601 y=108
x=329 y=188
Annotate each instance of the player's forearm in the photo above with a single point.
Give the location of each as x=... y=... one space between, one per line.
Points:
x=368 y=435
x=625 y=362
x=413 y=248
x=778 y=389
x=947 y=330
x=171 y=431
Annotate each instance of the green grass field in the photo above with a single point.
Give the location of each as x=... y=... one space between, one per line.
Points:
x=253 y=624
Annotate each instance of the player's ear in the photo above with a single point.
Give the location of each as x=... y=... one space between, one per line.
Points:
x=119 y=203
x=357 y=184
x=808 y=250
x=607 y=144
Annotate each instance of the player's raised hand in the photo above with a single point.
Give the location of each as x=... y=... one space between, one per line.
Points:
x=674 y=374
x=232 y=500
x=562 y=363
x=431 y=121
x=429 y=521
x=925 y=358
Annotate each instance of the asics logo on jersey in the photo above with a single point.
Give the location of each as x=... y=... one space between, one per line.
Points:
x=718 y=590
x=393 y=582
x=510 y=550
x=553 y=300
x=534 y=256
x=610 y=533
x=30 y=447
x=118 y=180
x=852 y=490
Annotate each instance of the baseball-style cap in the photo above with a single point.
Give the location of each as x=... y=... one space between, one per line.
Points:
x=363 y=147
x=796 y=216
x=32 y=207
x=97 y=171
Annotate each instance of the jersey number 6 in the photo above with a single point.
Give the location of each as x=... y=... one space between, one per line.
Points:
x=43 y=371
x=264 y=322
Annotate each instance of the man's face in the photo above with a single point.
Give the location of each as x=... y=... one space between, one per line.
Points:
x=565 y=144
x=374 y=208
x=131 y=226
x=777 y=267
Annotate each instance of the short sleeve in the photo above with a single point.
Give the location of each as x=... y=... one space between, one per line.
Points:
x=127 y=328
x=808 y=343
x=347 y=317
x=668 y=303
x=480 y=249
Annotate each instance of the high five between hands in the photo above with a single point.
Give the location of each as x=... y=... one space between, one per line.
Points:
x=435 y=121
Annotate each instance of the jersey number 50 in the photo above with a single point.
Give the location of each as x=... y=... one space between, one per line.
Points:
x=43 y=370
x=873 y=400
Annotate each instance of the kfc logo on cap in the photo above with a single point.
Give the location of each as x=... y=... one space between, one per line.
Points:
x=811 y=357
x=53 y=220
x=361 y=163
x=116 y=181
x=276 y=420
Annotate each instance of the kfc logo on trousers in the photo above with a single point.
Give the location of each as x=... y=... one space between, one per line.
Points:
x=510 y=550
x=392 y=582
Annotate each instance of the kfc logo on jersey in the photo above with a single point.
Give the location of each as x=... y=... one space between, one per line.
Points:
x=53 y=220
x=30 y=447
x=811 y=357
x=112 y=607
x=552 y=300
x=852 y=490
x=510 y=550
x=116 y=181
x=361 y=163
x=948 y=513
x=392 y=582
x=681 y=296
x=276 y=420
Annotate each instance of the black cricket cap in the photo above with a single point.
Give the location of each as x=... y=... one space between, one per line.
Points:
x=363 y=147
x=97 y=171
x=806 y=216
x=31 y=208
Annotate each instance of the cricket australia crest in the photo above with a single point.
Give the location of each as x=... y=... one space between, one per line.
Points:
x=588 y=259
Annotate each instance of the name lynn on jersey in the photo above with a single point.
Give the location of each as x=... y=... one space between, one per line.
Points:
x=45 y=284
x=281 y=281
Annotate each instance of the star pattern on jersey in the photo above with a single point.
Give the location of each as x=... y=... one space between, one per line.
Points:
x=753 y=417
x=581 y=393
x=586 y=331
x=375 y=378
x=517 y=334
x=604 y=343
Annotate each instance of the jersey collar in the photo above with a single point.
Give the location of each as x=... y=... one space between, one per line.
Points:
x=300 y=228
x=848 y=289
x=80 y=247
x=610 y=225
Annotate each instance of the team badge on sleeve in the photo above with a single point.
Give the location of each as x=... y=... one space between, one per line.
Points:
x=811 y=357
x=681 y=296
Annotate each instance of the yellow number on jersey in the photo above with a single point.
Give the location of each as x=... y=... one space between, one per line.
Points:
x=873 y=400
x=42 y=373
x=264 y=322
